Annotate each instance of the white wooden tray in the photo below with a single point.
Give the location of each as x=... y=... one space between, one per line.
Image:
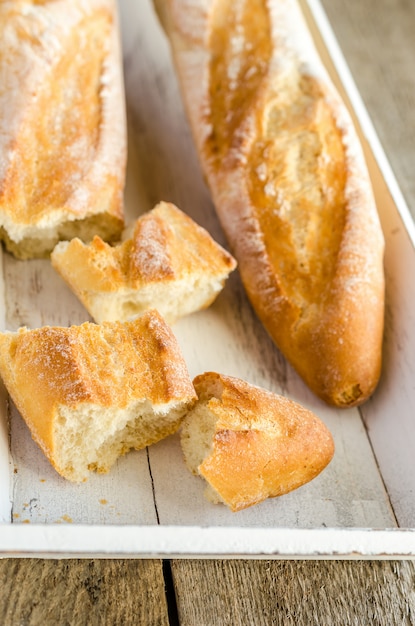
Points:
x=149 y=505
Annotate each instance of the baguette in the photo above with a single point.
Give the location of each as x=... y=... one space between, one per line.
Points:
x=90 y=393
x=169 y=263
x=62 y=124
x=289 y=182
x=249 y=444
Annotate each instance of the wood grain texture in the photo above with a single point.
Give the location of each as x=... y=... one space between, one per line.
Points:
x=377 y=39
x=302 y=593
x=35 y=592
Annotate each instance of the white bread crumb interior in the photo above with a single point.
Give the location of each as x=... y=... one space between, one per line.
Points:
x=90 y=438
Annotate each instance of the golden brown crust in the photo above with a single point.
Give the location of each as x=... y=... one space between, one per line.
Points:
x=263 y=445
x=167 y=251
x=289 y=183
x=62 y=122
x=108 y=366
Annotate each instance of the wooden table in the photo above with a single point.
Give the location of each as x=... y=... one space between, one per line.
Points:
x=377 y=37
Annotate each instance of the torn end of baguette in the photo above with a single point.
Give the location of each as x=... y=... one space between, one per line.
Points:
x=173 y=300
x=39 y=242
x=90 y=393
x=197 y=439
x=92 y=438
x=249 y=444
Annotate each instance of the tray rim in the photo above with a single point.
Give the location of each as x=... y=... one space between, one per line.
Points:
x=97 y=541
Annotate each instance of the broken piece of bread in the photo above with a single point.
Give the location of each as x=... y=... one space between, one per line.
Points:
x=250 y=444
x=91 y=393
x=170 y=263
x=62 y=124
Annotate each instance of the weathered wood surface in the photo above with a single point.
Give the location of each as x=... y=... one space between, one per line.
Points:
x=208 y=593
x=302 y=593
x=377 y=38
x=35 y=592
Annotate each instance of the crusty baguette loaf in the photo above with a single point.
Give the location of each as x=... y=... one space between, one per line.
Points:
x=289 y=182
x=91 y=393
x=62 y=124
x=169 y=263
x=250 y=444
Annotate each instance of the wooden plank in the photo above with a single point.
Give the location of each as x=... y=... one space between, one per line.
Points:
x=377 y=38
x=34 y=592
x=238 y=593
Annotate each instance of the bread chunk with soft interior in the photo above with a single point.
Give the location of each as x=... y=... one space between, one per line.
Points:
x=249 y=444
x=169 y=263
x=62 y=124
x=91 y=393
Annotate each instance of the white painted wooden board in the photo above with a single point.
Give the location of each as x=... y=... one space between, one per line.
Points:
x=150 y=494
